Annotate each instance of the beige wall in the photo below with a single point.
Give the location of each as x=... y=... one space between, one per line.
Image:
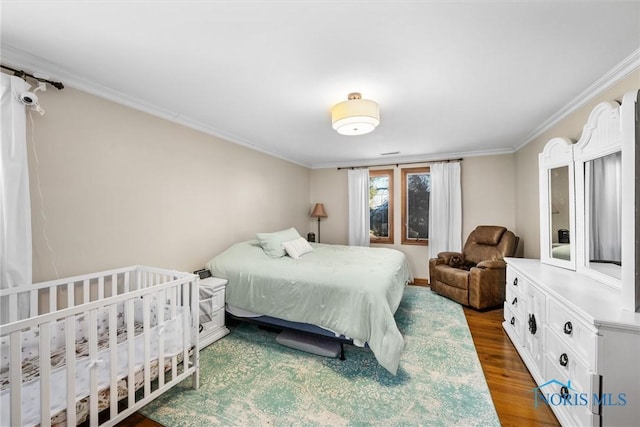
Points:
x=488 y=192
x=488 y=197
x=121 y=187
x=329 y=186
x=526 y=162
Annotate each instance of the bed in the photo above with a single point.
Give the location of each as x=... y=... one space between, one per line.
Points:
x=115 y=339
x=350 y=290
x=561 y=251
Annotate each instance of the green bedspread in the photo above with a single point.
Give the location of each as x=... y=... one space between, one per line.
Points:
x=350 y=290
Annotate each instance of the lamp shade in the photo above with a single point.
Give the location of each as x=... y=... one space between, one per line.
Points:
x=318 y=211
x=356 y=116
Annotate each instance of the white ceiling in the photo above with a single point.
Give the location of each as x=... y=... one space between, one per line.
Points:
x=452 y=78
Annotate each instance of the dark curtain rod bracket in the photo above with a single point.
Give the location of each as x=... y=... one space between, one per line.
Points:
x=23 y=75
x=403 y=163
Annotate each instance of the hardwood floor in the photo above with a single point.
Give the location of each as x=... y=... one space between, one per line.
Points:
x=139 y=420
x=509 y=381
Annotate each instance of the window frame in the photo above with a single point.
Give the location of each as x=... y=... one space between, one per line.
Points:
x=389 y=174
x=404 y=199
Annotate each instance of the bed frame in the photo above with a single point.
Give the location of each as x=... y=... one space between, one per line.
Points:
x=166 y=298
x=276 y=324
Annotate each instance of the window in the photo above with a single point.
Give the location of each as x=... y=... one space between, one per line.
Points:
x=416 y=187
x=381 y=206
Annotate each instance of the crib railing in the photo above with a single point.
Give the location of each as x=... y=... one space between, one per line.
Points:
x=156 y=298
x=47 y=297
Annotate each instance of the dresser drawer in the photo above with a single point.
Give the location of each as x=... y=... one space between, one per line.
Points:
x=516 y=284
x=212 y=321
x=214 y=297
x=580 y=408
x=566 y=362
x=515 y=300
x=577 y=336
x=213 y=301
x=513 y=322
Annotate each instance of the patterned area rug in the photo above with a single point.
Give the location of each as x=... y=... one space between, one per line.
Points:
x=247 y=379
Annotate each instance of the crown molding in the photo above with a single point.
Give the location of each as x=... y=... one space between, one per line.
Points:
x=17 y=58
x=617 y=73
x=410 y=159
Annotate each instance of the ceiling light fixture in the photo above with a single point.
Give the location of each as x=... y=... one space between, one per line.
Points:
x=356 y=116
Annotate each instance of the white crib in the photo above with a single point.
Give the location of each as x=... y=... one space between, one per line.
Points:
x=71 y=348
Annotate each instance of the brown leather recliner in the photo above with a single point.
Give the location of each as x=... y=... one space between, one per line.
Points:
x=476 y=277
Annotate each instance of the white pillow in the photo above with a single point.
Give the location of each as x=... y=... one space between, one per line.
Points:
x=296 y=248
x=271 y=243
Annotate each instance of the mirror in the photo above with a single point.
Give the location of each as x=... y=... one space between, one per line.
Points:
x=603 y=214
x=557 y=204
x=598 y=168
x=560 y=237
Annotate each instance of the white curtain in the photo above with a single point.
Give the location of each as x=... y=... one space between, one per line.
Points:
x=358 y=207
x=15 y=205
x=604 y=175
x=445 y=209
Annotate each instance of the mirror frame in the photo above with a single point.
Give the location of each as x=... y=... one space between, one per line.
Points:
x=611 y=127
x=630 y=123
x=601 y=136
x=557 y=153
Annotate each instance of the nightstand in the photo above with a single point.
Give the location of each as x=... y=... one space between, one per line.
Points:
x=212 y=326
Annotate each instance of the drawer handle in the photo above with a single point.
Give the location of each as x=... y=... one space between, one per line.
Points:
x=532 y=324
x=568 y=328
x=564 y=392
x=564 y=359
x=515 y=282
x=513 y=321
x=515 y=301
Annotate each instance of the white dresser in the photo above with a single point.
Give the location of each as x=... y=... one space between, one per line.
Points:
x=581 y=348
x=212 y=324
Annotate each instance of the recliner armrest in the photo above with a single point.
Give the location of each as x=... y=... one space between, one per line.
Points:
x=446 y=256
x=493 y=264
x=487 y=284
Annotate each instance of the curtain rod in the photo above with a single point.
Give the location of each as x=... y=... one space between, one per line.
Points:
x=402 y=163
x=23 y=75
